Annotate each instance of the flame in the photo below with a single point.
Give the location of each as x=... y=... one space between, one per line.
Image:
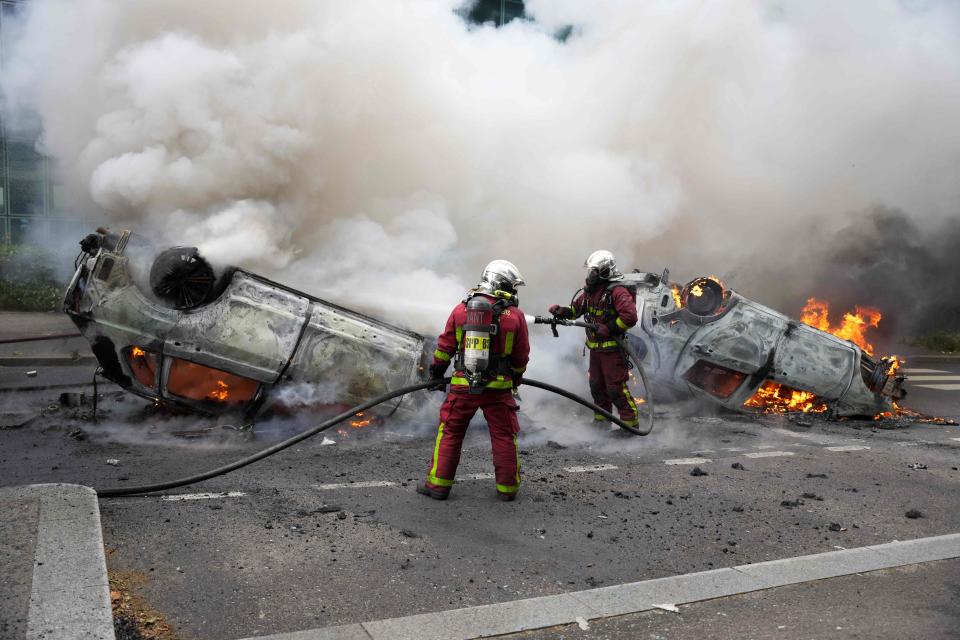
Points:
x=137 y=352
x=854 y=326
x=696 y=290
x=221 y=393
x=776 y=398
x=895 y=363
x=676 y=296
x=359 y=424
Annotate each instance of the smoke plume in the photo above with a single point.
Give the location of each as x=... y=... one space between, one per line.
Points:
x=380 y=152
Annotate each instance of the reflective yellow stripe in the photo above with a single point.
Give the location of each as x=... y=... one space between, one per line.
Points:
x=459 y=336
x=599 y=418
x=508 y=343
x=505 y=488
x=440 y=355
x=622 y=324
x=432 y=476
x=633 y=405
x=601 y=345
x=440 y=482
x=516 y=452
x=499 y=383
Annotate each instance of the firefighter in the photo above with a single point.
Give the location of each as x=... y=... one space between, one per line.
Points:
x=486 y=339
x=611 y=306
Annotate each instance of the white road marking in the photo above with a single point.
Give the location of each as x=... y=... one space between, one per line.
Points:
x=203 y=496
x=764 y=446
x=478 y=476
x=957 y=439
x=769 y=454
x=688 y=461
x=355 y=485
x=941 y=387
x=848 y=447
x=910 y=370
x=819 y=439
x=733 y=449
x=933 y=378
x=590 y=468
x=702 y=451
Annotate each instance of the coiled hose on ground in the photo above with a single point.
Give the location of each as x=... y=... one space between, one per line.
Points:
x=323 y=426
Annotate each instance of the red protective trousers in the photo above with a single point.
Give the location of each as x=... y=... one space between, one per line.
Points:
x=608 y=377
x=500 y=410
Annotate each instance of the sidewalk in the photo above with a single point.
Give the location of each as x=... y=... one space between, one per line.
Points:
x=54 y=583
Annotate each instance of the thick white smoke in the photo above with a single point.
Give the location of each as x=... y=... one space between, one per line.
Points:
x=380 y=152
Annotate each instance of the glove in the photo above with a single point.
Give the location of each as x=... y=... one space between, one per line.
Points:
x=556 y=311
x=437 y=371
x=517 y=379
x=603 y=331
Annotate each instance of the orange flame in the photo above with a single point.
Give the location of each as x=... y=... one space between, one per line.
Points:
x=137 y=352
x=359 y=424
x=221 y=393
x=854 y=326
x=676 y=296
x=776 y=398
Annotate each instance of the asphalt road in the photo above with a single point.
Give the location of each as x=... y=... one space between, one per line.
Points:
x=298 y=541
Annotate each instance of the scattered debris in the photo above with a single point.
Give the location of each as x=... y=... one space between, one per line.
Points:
x=582 y=623
x=812 y=496
x=913 y=514
x=407 y=533
x=31 y=374
x=329 y=508
x=72 y=399
x=917 y=466
x=113 y=462
x=133 y=618
x=555 y=445
x=791 y=504
x=327 y=441
x=77 y=434
x=697 y=471
x=738 y=466
x=342 y=515
x=836 y=526
x=667 y=607
x=816 y=475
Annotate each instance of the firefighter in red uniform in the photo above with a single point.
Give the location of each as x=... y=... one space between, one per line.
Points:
x=612 y=307
x=486 y=338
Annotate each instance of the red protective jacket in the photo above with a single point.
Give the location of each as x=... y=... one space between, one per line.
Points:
x=615 y=307
x=511 y=343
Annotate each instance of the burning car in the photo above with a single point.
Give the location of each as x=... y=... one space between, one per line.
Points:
x=715 y=343
x=167 y=326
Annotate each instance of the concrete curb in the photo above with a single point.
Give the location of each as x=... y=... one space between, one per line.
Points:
x=70 y=594
x=536 y=613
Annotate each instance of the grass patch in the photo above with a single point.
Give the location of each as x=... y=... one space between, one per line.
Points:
x=28 y=281
x=948 y=341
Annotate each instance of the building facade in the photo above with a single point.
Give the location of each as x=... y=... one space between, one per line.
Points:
x=31 y=207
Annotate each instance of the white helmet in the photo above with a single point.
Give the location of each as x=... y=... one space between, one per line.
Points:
x=605 y=264
x=500 y=275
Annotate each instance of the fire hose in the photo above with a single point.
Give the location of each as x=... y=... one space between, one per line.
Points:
x=340 y=417
x=622 y=343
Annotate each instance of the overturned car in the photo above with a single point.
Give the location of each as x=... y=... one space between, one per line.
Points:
x=167 y=326
x=715 y=343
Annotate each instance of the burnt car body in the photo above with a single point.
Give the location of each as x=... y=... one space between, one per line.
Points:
x=713 y=342
x=164 y=325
